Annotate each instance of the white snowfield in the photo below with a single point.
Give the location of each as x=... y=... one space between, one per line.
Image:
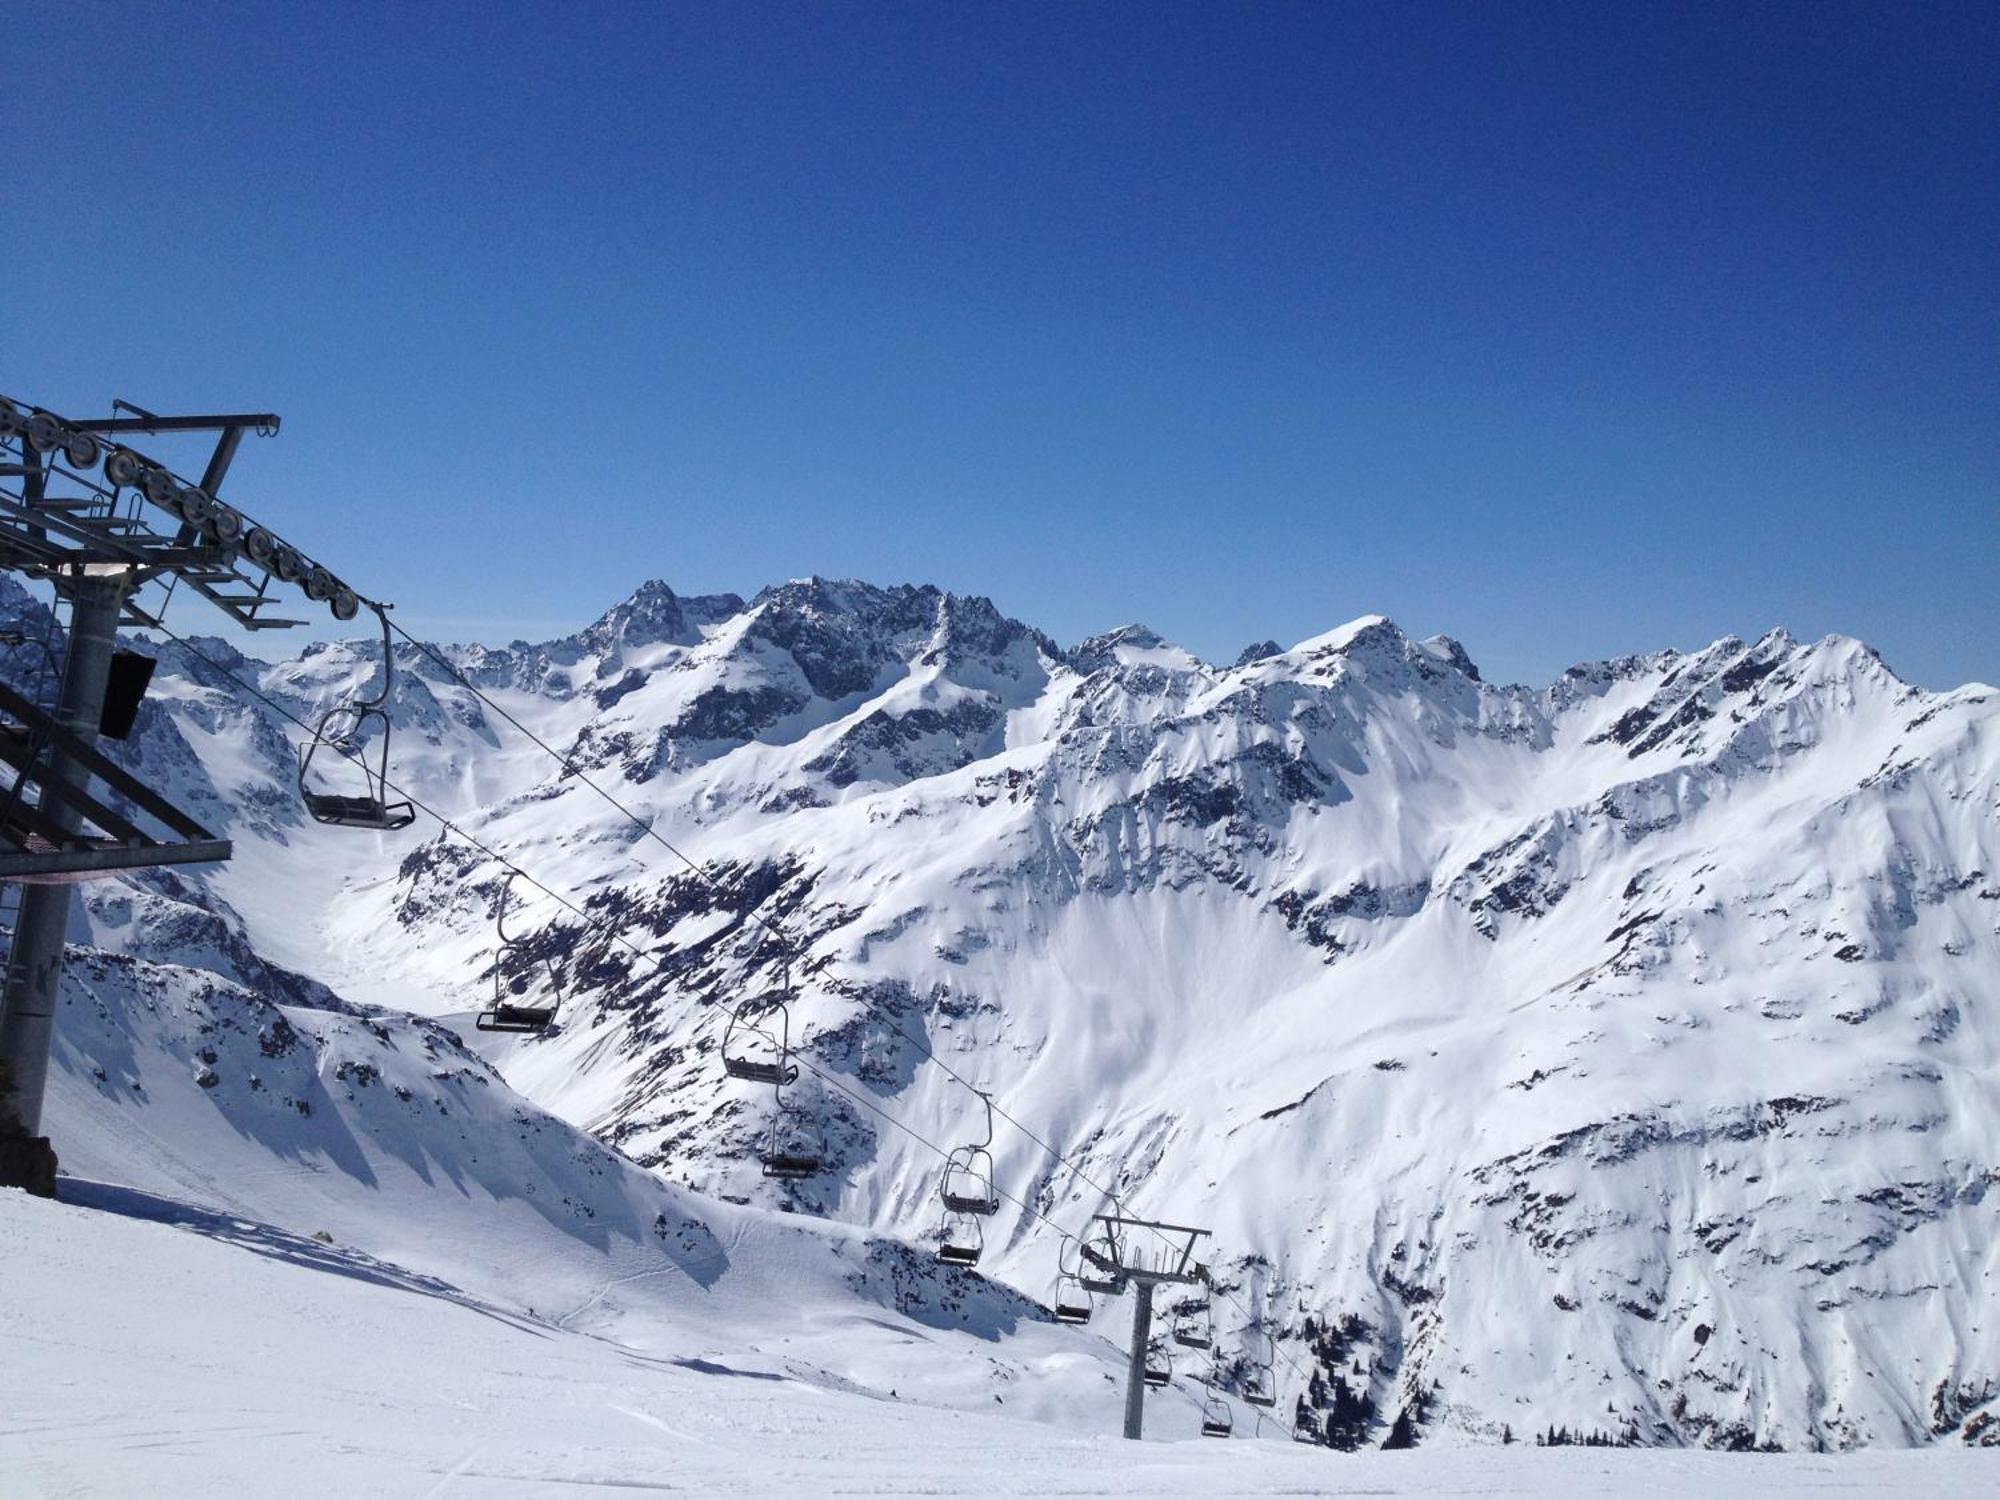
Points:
x=1616 y=1057
x=217 y=1357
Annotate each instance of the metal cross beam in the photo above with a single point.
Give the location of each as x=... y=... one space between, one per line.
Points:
x=1172 y=1263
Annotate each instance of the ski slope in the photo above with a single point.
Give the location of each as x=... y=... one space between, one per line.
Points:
x=375 y=1139
x=155 y=1350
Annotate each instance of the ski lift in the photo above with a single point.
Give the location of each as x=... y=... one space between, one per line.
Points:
x=511 y=1014
x=1159 y=1365
x=1104 y=1251
x=796 y=1146
x=1073 y=1304
x=1262 y=1390
x=1101 y=1269
x=775 y=1066
x=1215 y=1419
x=962 y=1241
x=340 y=730
x=968 y=1174
x=1194 y=1327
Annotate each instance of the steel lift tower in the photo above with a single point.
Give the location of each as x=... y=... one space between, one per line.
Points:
x=1110 y=1248
x=116 y=534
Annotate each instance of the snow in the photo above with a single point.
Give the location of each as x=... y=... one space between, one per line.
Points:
x=1507 y=1039
x=161 y=1352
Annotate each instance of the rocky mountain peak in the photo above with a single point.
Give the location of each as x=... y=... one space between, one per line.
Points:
x=653 y=615
x=1130 y=646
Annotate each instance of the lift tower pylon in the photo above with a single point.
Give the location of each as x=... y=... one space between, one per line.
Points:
x=102 y=523
x=34 y=960
x=1114 y=1252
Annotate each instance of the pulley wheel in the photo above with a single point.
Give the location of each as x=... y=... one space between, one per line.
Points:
x=161 y=490
x=45 y=432
x=81 y=450
x=123 y=467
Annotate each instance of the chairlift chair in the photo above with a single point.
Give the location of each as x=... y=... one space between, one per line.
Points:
x=1159 y=1365
x=776 y=1069
x=1262 y=1390
x=1102 y=1264
x=1215 y=1419
x=962 y=1241
x=797 y=1146
x=1072 y=1304
x=1195 y=1329
x=341 y=729
x=968 y=1174
x=511 y=1015
x=1105 y=1252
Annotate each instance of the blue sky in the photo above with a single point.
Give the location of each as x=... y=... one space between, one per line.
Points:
x=1568 y=330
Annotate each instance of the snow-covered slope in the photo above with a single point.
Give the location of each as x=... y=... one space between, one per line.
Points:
x=247 y=1363
x=1617 y=1055
x=376 y=1145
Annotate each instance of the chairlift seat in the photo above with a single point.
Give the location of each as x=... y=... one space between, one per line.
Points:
x=1072 y=1312
x=1261 y=1398
x=517 y=1018
x=359 y=812
x=1213 y=1427
x=1194 y=1339
x=1157 y=1377
x=1115 y=1285
x=958 y=1255
x=790 y=1165
x=962 y=1203
x=754 y=1071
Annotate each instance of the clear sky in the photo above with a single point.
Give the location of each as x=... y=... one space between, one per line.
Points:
x=1566 y=329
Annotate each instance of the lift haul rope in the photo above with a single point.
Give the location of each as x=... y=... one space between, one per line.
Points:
x=770 y=929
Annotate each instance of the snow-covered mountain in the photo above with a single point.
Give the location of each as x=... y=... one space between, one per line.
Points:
x=1616 y=1055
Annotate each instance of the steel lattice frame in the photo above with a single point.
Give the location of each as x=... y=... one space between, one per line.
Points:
x=74 y=494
